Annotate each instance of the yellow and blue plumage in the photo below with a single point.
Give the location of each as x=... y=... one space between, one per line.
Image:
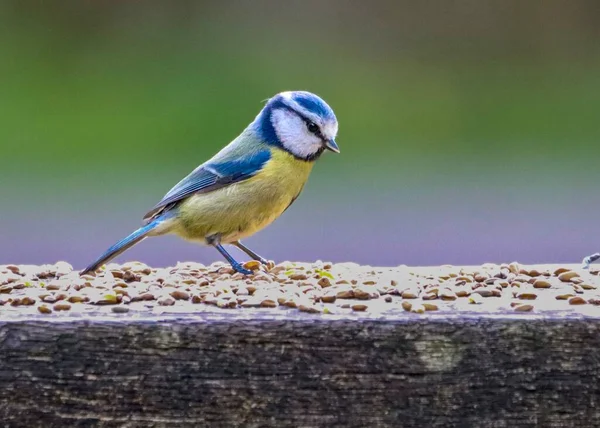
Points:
x=248 y=184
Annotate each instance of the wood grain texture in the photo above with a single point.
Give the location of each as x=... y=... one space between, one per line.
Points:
x=303 y=371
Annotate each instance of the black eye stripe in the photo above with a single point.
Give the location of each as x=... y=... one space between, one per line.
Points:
x=312 y=127
x=307 y=121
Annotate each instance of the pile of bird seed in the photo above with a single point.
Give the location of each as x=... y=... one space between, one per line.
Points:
x=319 y=287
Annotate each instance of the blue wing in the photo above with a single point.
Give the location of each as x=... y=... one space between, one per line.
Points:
x=212 y=176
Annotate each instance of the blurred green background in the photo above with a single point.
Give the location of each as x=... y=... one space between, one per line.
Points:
x=469 y=129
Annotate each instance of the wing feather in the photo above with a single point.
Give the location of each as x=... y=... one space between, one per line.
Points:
x=210 y=177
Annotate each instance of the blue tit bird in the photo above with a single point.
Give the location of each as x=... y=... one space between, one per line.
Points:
x=248 y=184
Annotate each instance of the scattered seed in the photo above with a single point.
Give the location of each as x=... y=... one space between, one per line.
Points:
x=559 y=271
x=62 y=306
x=527 y=296
x=430 y=307
x=567 y=276
x=329 y=298
x=311 y=309
x=541 y=283
x=252 y=265
x=447 y=294
x=269 y=303
x=524 y=308
x=410 y=294
x=324 y=282
x=180 y=295
x=43 y=309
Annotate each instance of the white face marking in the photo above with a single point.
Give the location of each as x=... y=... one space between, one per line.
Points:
x=292 y=131
x=293 y=134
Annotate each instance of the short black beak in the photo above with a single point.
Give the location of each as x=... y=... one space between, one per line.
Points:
x=331 y=145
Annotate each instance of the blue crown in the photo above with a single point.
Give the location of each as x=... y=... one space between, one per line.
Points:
x=314 y=104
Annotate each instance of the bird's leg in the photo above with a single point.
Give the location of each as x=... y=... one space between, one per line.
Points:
x=250 y=253
x=587 y=261
x=215 y=241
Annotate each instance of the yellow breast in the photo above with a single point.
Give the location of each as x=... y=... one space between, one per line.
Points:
x=242 y=209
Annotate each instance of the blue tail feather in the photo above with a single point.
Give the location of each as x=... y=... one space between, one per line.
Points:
x=123 y=245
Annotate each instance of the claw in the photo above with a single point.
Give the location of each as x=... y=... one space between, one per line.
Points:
x=239 y=268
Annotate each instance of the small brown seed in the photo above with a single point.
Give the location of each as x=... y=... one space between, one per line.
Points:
x=27 y=301
x=577 y=301
x=44 y=309
x=410 y=294
x=328 y=298
x=388 y=299
x=524 y=308
x=252 y=265
x=324 y=282
x=564 y=296
x=120 y=309
x=365 y=293
x=567 y=276
x=359 y=307
x=559 y=271
x=309 y=309
x=447 y=294
x=345 y=294
x=62 y=307
x=53 y=286
x=269 y=303
x=429 y=296
x=527 y=296
x=13 y=268
x=541 y=283
x=480 y=277
x=430 y=307
x=180 y=295
x=406 y=305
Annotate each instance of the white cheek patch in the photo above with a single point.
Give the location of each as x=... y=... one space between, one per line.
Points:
x=291 y=131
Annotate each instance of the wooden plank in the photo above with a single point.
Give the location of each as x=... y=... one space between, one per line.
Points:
x=283 y=367
x=311 y=372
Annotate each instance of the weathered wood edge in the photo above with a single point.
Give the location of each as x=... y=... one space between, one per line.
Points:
x=517 y=371
x=273 y=367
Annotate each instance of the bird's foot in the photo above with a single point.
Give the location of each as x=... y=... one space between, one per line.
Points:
x=587 y=261
x=239 y=268
x=263 y=261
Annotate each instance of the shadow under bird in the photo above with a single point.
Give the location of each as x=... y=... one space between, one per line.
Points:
x=248 y=184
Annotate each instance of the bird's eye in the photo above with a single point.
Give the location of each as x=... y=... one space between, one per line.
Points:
x=312 y=127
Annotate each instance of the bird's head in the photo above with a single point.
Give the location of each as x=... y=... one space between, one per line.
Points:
x=300 y=123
